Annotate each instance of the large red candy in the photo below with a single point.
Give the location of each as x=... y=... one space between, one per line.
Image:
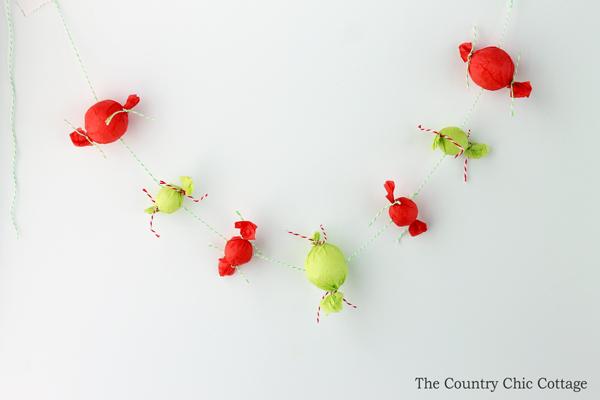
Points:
x=405 y=213
x=238 y=250
x=95 y=122
x=493 y=69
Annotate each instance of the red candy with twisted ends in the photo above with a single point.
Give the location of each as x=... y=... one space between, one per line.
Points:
x=238 y=250
x=404 y=213
x=492 y=69
x=98 y=130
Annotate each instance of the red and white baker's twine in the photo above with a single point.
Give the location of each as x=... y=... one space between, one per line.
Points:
x=154 y=212
x=467 y=158
x=447 y=138
x=182 y=191
x=325 y=295
x=312 y=240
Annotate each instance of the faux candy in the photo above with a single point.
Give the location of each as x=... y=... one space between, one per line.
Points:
x=238 y=250
x=404 y=211
x=492 y=69
x=326 y=268
x=100 y=127
x=455 y=142
x=170 y=198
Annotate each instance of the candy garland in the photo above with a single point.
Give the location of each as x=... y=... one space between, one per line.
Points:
x=492 y=69
x=325 y=265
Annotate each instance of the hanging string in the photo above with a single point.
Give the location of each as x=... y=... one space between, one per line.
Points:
x=205 y=224
x=140 y=162
x=369 y=242
x=471 y=109
x=75 y=48
x=12 y=115
x=260 y=255
x=402 y=234
x=382 y=210
x=505 y=23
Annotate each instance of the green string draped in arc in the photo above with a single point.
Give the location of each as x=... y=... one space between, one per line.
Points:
x=12 y=115
x=75 y=48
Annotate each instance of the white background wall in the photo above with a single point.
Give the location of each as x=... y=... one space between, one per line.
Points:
x=295 y=113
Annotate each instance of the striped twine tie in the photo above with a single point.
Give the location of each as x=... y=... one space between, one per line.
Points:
x=319 y=309
x=126 y=111
x=447 y=138
x=303 y=237
x=182 y=191
x=325 y=295
x=154 y=212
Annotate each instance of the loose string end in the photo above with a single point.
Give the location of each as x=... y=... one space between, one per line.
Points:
x=243 y=276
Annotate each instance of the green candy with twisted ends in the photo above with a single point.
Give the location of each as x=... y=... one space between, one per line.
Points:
x=457 y=134
x=169 y=200
x=326 y=268
x=472 y=150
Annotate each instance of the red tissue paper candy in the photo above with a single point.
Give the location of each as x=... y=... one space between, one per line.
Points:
x=238 y=250
x=95 y=122
x=493 y=69
x=404 y=213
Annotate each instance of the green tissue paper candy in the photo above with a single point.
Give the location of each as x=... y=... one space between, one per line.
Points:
x=457 y=134
x=326 y=268
x=477 y=150
x=169 y=200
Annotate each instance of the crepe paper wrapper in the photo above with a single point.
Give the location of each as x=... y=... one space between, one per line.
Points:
x=406 y=212
x=457 y=134
x=169 y=200
x=29 y=6
x=333 y=303
x=472 y=150
x=238 y=250
x=326 y=268
x=492 y=69
x=477 y=150
x=98 y=131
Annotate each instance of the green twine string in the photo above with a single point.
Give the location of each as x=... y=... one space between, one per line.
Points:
x=243 y=276
x=139 y=161
x=259 y=254
x=215 y=247
x=505 y=23
x=429 y=176
x=471 y=109
x=369 y=242
x=12 y=116
x=382 y=210
x=75 y=48
x=205 y=224
x=127 y=111
x=402 y=234
x=512 y=94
